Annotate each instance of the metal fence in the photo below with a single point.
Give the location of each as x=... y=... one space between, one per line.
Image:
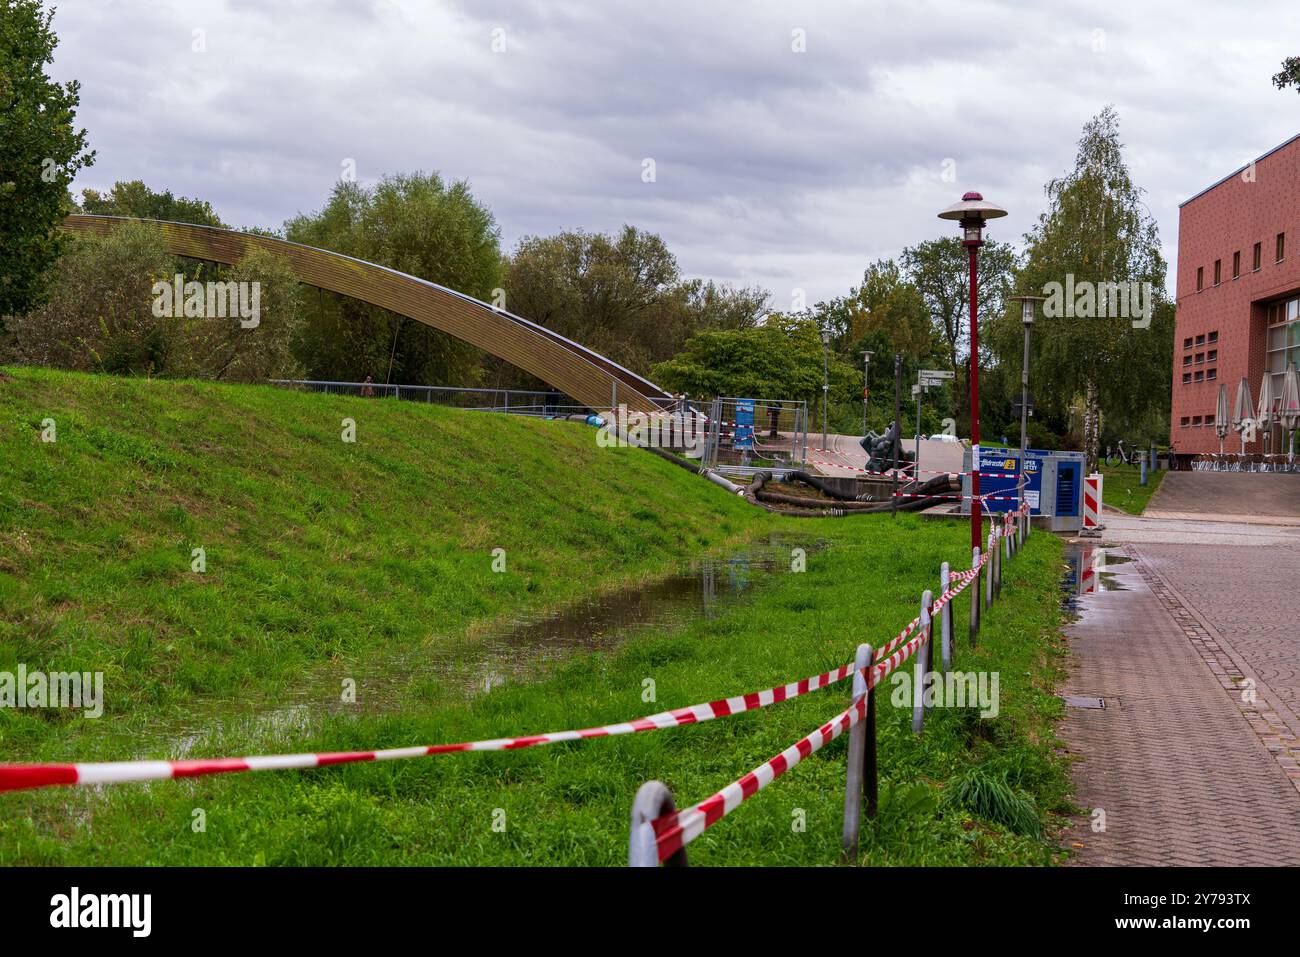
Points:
x=513 y=401
x=758 y=433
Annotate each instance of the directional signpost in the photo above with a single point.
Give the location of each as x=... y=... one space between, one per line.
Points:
x=925 y=379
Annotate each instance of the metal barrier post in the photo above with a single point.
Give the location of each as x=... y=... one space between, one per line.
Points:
x=920 y=672
x=862 y=756
x=945 y=619
x=653 y=800
x=997 y=563
x=974 y=587
x=988 y=578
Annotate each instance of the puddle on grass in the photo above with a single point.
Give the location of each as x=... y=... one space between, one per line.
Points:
x=1086 y=573
x=521 y=648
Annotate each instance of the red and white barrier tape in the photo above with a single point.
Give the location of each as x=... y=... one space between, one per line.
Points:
x=15 y=777
x=675 y=830
x=961 y=579
x=911 y=471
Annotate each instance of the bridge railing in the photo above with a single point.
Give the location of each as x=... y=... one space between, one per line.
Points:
x=514 y=401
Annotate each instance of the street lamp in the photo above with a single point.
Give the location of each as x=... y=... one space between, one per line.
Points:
x=866 y=385
x=971 y=213
x=1028 y=306
x=826 y=380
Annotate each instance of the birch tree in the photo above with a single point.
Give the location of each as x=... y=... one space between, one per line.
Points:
x=1106 y=332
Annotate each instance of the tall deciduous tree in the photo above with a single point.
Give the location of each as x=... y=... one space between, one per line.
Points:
x=136 y=199
x=40 y=152
x=1095 y=241
x=939 y=269
x=885 y=314
x=417 y=224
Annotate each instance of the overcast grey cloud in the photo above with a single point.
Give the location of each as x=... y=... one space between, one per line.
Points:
x=786 y=169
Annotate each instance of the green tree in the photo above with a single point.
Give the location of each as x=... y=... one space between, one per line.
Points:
x=415 y=223
x=885 y=315
x=98 y=317
x=40 y=152
x=1096 y=237
x=136 y=199
x=621 y=295
x=1289 y=75
x=101 y=315
x=780 y=359
x=939 y=268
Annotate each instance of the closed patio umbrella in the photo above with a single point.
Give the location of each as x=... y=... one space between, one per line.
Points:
x=1221 y=415
x=1267 y=399
x=1288 y=412
x=1242 y=416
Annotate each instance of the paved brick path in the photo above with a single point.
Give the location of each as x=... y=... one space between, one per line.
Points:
x=1188 y=769
x=1271 y=498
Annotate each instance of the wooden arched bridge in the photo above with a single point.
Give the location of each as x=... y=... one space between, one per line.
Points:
x=587 y=376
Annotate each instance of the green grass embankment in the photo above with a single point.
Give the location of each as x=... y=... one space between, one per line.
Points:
x=321 y=552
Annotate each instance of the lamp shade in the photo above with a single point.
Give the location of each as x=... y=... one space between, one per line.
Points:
x=973 y=206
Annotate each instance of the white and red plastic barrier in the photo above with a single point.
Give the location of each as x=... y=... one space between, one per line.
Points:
x=16 y=777
x=1092 y=503
x=675 y=830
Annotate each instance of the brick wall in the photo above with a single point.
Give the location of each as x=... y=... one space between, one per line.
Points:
x=1251 y=206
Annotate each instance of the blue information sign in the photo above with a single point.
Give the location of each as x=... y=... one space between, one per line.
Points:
x=744 y=424
x=1000 y=476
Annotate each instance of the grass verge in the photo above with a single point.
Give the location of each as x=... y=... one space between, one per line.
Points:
x=1122 y=487
x=395 y=555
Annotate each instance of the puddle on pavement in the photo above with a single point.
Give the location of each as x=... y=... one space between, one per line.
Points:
x=1086 y=573
x=521 y=648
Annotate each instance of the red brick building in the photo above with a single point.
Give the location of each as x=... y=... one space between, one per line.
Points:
x=1238 y=292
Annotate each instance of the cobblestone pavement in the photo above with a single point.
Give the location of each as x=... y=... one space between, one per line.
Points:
x=1195 y=759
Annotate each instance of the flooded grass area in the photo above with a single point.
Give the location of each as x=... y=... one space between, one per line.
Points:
x=521 y=648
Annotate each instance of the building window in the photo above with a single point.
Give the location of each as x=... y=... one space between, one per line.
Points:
x=1218 y=271
x=1183 y=422
x=1200 y=340
x=1196 y=420
x=1236 y=265
x=1187 y=378
x=1187 y=360
x=1283 y=339
x=1259 y=253
x=1200 y=278
x=1281 y=246
x=1211 y=375
x=1214 y=336
x=1200 y=374
x=1187 y=343
x=1200 y=357
x=1212 y=355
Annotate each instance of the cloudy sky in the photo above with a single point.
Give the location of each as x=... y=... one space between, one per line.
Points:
x=792 y=142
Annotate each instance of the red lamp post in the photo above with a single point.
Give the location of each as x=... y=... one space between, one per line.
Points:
x=972 y=212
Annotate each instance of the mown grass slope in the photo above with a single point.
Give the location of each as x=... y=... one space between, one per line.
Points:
x=314 y=547
x=321 y=550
